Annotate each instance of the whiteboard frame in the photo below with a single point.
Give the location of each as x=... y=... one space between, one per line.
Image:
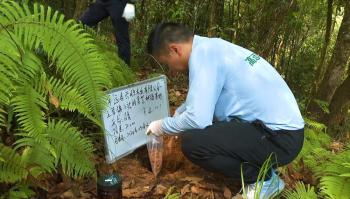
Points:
x=161 y=77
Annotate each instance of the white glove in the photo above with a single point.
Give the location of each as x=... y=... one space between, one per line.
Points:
x=155 y=128
x=129 y=12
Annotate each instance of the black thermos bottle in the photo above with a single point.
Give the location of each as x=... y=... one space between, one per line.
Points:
x=109 y=186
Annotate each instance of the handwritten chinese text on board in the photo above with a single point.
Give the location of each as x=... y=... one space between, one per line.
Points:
x=129 y=111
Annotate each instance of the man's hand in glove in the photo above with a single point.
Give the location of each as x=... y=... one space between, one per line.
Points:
x=129 y=12
x=155 y=128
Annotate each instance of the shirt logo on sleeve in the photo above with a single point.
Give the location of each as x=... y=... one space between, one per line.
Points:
x=252 y=59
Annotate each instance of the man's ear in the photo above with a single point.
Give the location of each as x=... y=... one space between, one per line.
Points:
x=176 y=48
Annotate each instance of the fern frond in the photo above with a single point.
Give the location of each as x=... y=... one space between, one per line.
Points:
x=74 y=151
x=9 y=57
x=171 y=195
x=317 y=138
x=38 y=159
x=314 y=148
x=38 y=154
x=70 y=99
x=337 y=164
x=335 y=187
x=323 y=105
x=121 y=73
x=301 y=191
x=347 y=167
x=2 y=117
x=315 y=159
x=31 y=67
x=315 y=125
x=20 y=191
x=66 y=45
x=335 y=183
x=28 y=105
x=13 y=168
x=120 y=76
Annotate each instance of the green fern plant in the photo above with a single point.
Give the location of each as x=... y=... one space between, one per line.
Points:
x=171 y=195
x=315 y=125
x=335 y=176
x=120 y=72
x=300 y=191
x=314 y=150
x=48 y=66
x=323 y=105
x=71 y=50
x=12 y=167
x=333 y=170
x=19 y=191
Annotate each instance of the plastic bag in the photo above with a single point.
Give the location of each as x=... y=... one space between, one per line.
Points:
x=155 y=152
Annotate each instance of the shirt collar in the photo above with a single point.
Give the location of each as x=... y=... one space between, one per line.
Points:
x=196 y=41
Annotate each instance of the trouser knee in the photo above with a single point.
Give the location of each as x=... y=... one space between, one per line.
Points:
x=190 y=146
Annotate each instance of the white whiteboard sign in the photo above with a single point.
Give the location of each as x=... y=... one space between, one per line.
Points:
x=129 y=112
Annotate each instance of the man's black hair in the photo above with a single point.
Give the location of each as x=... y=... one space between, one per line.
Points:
x=165 y=33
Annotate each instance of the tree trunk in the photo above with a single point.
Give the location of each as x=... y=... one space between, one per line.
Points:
x=336 y=68
x=266 y=40
x=232 y=19
x=215 y=17
x=80 y=6
x=68 y=8
x=238 y=25
x=144 y=19
x=320 y=68
x=339 y=107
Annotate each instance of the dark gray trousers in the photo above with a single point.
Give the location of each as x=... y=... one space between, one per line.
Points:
x=225 y=146
x=113 y=8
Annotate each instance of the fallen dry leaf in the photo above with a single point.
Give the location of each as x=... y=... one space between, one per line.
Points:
x=85 y=195
x=336 y=146
x=68 y=194
x=195 y=190
x=297 y=176
x=54 y=100
x=208 y=186
x=227 y=193
x=186 y=189
x=128 y=183
x=202 y=193
x=192 y=179
x=134 y=193
x=160 y=190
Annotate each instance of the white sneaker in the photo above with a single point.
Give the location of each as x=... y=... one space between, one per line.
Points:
x=265 y=190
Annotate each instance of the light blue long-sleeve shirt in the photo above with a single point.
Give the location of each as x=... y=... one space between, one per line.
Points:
x=227 y=81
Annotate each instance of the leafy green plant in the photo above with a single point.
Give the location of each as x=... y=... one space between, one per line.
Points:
x=20 y=191
x=335 y=176
x=332 y=169
x=315 y=146
x=323 y=105
x=49 y=68
x=312 y=124
x=121 y=74
x=301 y=191
x=171 y=195
x=265 y=168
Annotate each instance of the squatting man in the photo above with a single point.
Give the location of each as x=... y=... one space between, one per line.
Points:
x=238 y=111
